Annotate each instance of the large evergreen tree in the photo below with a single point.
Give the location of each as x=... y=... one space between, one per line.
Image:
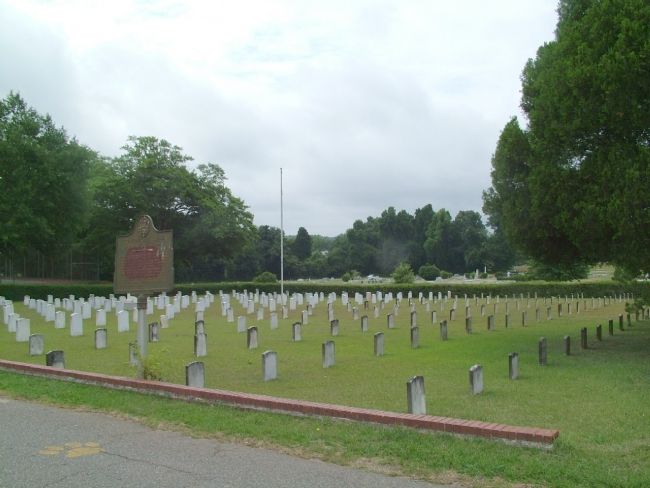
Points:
x=572 y=187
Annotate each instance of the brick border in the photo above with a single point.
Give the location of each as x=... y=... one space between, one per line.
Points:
x=527 y=435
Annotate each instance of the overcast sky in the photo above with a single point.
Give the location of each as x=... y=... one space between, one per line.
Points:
x=364 y=104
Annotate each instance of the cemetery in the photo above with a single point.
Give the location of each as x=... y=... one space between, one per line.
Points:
x=320 y=348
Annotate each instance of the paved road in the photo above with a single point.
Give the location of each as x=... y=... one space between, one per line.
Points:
x=44 y=446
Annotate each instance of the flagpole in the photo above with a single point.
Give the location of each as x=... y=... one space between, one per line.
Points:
x=281 y=244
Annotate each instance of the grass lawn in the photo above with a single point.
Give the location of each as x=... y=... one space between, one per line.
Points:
x=598 y=398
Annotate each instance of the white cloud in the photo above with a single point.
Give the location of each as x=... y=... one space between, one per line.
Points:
x=365 y=104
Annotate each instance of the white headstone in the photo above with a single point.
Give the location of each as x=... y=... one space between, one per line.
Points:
x=76 y=325
x=123 y=321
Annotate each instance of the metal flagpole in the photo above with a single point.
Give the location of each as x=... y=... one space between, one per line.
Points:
x=281 y=244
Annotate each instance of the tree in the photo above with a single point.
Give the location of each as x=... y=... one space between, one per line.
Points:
x=572 y=188
x=44 y=175
x=471 y=237
x=440 y=245
x=210 y=224
x=301 y=245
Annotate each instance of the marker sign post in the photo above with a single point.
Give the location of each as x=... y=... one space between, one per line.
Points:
x=144 y=265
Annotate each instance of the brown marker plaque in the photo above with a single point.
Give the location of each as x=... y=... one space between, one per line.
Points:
x=144 y=260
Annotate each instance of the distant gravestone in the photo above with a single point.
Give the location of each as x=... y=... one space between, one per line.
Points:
x=620 y=322
x=443 y=330
x=251 y=338
x=434 y=317
x=390 y=321
x=199 y=327
x=611 y=327
x=296 y=332
x=542 y=351
x=23 y=330
x=100 y=318
x=195 y=374
x=36 y=345
x=415 y=396
x=328 y=351
x=55 y=359
x=476 y=379
x=122 y=321
x=490 y=322
x=241 y=323
x=415 y=337
x=379 y=344
x=269 y=365
x=201 y=345
x=334 y=327
x=273 y=319
x=364 y=323
x=567 y=345
x=154 y=332
x=468 y=325
x=101 y=339
x=414 y=319
x=59 y=320
x=513 y=365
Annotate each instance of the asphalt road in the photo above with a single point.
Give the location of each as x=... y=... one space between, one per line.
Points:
x=44 y=446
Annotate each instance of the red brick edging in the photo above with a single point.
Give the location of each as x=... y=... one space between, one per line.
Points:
x=544 y=437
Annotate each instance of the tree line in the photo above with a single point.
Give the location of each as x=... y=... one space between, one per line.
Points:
x=60 y=198
x=569 y=187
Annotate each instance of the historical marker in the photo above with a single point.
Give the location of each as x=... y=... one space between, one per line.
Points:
x=144 y=265
x=144 y=260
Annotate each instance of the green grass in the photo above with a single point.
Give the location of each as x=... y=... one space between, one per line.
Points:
x=597 y=398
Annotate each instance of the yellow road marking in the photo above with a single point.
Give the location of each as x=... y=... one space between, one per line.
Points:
x=73 y=450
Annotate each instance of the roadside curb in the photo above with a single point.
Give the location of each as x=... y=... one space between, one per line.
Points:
x=521 y=435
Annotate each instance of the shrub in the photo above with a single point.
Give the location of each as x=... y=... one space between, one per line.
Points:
x=346 y=277
x=429 y=272
x=445 y=274
x=265 y=277
x=403 y=273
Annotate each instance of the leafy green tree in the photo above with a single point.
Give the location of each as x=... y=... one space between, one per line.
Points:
x=441 y=245
x=210 y=224
x=363 y=240
x=302 y=245
x=403 y=273
x=421 y=220
x=471 y=236
x=44 y=177
x=316 y=265
x=572 y=188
